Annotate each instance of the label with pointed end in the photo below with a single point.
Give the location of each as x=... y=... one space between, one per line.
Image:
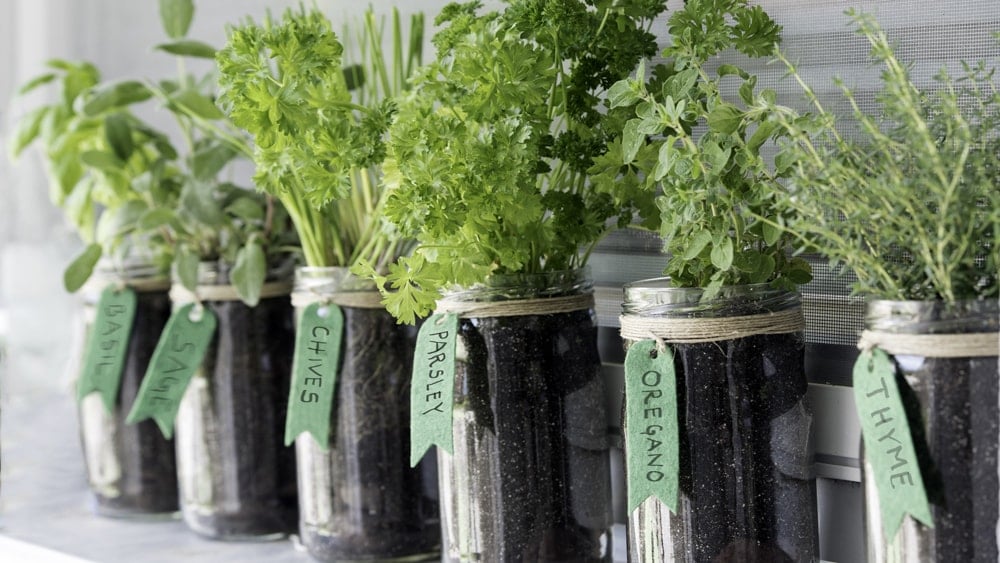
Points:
x=432 y=388
x=178 y=354
x=107 y=345
x=889 y=444
x=651 y=432
x=314 y=373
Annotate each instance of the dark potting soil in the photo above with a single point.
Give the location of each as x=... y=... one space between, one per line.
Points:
x=530 y=419
x=953 y=411
x=381 y=508
x=148 y=483
x=248 y=366
x=748 y=495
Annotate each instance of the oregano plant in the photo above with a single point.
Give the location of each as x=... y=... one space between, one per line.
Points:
x=692 y=155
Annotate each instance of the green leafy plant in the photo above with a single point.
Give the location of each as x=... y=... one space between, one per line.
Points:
x=910 y=202
x=318 y=124
x=246 y=232
x=716 y=212
x=487 y=158
x=109 y=171
x=127 y=188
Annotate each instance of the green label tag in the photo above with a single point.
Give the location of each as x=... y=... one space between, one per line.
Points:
x=888 y=442
x=432 y=388
x=314 y=373
x=651 y=434
x=178 y=354
x=107 y=345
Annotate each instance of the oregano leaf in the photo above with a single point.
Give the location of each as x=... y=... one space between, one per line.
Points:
x=771 y=233
x=622 y=94
x=722 y=254
x=724 y=119
x=632 y=139
x=698 y=243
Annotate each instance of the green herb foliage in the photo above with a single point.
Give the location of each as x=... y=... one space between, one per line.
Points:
x=109 y=171
x=488 y=156
x=716 y=211
x=246 y=232
x=318 y=125
x=131 y=193
x=911 y=203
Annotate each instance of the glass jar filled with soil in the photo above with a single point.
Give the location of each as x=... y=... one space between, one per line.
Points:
x=530 y=477
x=746 y=490
x=359 y=498
x=131 y=468
x=949 y=389
x=237 y=478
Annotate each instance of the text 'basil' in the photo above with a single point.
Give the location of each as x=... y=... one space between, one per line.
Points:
x=651 y=432
x=314 y=372
x=432 y=388
x=107 y=345
x=889 y=444
x=178 y=354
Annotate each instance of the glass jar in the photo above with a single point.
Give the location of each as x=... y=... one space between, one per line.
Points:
x=746 y=485
x=530 y=476
x=131 y=468
x=359 y=500
x=952 y=407
x=237 y=478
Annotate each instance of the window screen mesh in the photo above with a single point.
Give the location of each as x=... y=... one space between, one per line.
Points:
x=819 y=38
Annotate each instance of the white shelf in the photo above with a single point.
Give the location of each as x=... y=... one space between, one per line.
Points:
x=45 y=512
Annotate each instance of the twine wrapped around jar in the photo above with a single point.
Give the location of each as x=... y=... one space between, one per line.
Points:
x=516 y=307
x=709 y=329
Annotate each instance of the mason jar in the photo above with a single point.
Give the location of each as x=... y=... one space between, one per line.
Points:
x=746 y=485
x=359 y=499
x=529 y=479
x=131 y=468
x=952 y=407
x=237 y=478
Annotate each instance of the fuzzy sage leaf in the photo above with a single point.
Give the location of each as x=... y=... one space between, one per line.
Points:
x=249 y=272
x=176 y=16
x=188 y=48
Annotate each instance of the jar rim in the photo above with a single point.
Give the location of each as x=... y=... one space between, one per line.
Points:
x=932 y=316
x=655 y=297
x=330 y=279
x=663 y=282
x=218 y=272
x=526 y=285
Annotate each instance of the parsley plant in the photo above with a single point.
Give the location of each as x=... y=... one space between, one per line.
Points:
x=487 y=159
